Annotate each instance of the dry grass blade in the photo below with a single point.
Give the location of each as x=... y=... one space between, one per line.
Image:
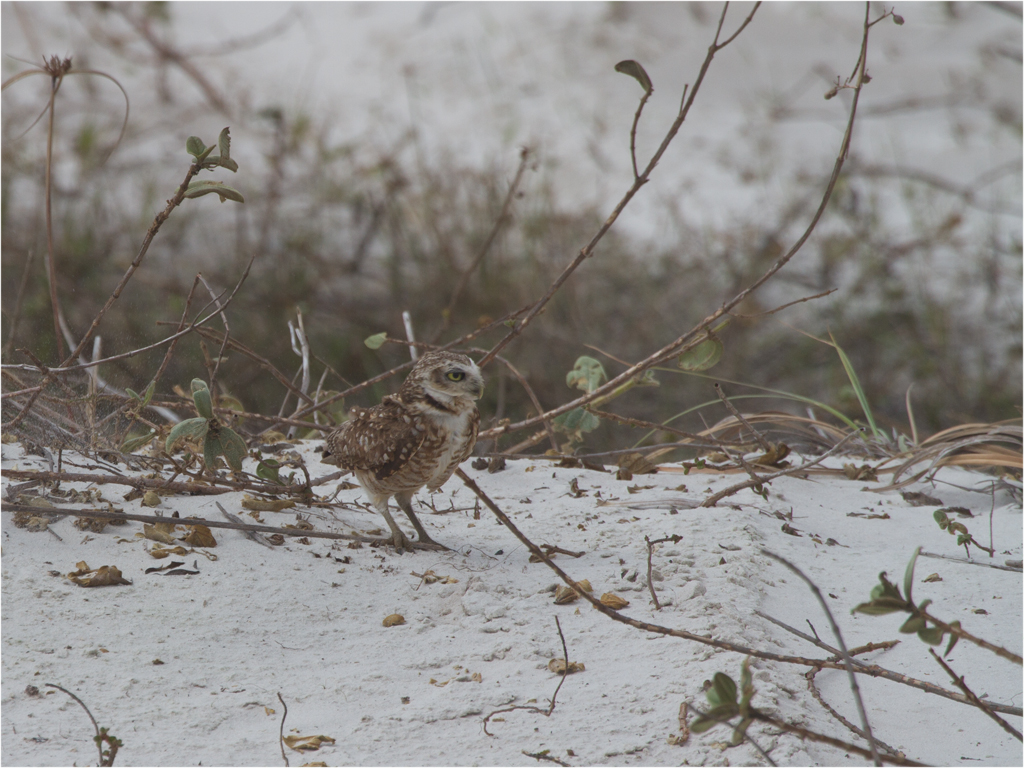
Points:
x=973 y=445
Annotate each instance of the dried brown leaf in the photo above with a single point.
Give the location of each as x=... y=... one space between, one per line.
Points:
x=159 y=532
x=306 y=743
x=394 y=620
x=104 y=576
x=266 y=505
x=637 y=464
x=91 y=524
x=613 y=601
x=558 y=666
x=200 y=536
x=161 y=552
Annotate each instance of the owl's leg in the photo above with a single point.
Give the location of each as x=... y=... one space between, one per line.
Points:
x=404 y=500
x=399 y=539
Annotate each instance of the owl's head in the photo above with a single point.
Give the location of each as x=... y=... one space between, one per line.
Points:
x=445 y=376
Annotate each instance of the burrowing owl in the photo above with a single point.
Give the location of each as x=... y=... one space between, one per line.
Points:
x=414 y=438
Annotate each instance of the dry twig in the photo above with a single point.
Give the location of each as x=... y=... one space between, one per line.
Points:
x=872 y=670
x=530 y=708
x=958 y=681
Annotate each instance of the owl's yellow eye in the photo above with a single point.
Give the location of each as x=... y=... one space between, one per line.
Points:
x=456 y=375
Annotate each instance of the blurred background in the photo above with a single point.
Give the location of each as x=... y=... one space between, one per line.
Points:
x=377 y=142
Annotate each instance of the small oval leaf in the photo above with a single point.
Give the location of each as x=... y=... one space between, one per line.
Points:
x=132 y=444
x=233 y=447
x=587 y=374
x=200 y=188
x=189 y=428
x=377 y=340
x=724 y=688
x=224 y=143
x=212 y=448
x=703 y=356
x=637 y=72
x=195 y=146
x=203 y=403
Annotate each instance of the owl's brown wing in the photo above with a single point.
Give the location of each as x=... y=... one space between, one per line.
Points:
x=381 y=440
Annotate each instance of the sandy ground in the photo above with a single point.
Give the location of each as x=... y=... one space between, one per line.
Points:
x=186 y=669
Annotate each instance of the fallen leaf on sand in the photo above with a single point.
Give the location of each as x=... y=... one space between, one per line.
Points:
x=200 y=536
x=266 y=505
x=565 y=595
x=104 y=576
x=558 y=666
x=159 y=532
x=306 y=743
x=161 y=552
x=613 y=601
x=394 y=620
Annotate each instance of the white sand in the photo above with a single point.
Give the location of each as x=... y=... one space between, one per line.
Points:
x=305 y=621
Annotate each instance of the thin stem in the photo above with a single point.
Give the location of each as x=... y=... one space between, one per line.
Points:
x=99 y=743
x=588 y=250
x=524 y=156
x=51 y=259
x=280 y=736
x=958 y=681
x=161 y=217
x=842 y=647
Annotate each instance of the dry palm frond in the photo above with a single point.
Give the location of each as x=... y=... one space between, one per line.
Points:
x=813 y=431
x=966 y=445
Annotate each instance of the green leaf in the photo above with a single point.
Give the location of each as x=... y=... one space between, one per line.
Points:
x=212 y=448
x=200 y=188
x=587 y=374
x=637 y=72
x=941 y=518
x=746 y=684
x=931 y=635
x=908 y=575
x=723 y=688
x=216 y=161
x=702 y=357
x=880 y=607
x=851 y=374
x=195 y=146
x=912 y=625
x=189 y=428
x=269 y=470
x=224 y=143
x=202 y=398
x=233 y=447
x=377 y=340
x=576 y=421
x=149 y=393
x=132 y=394
x=740 y=731
x=953 y=638
x=713 y=717
x=132 y=444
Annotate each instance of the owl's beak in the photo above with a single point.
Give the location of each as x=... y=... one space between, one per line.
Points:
x=478 y=389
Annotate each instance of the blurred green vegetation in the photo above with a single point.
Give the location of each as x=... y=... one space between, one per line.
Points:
x=354 y=233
